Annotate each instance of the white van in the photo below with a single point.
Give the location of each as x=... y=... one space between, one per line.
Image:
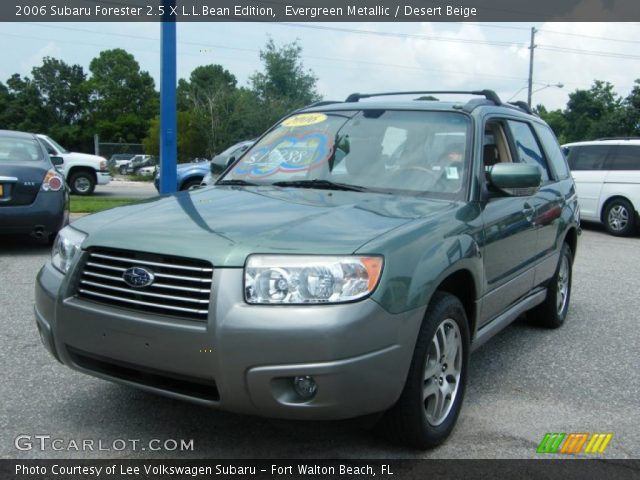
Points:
x=82 y=170
x=607 y=176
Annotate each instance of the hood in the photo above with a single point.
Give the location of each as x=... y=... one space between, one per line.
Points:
x=224 y=224
x=183 y=167
x=84 y=157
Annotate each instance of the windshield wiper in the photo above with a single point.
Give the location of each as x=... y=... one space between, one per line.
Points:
x=237 y=182
x=322 y=184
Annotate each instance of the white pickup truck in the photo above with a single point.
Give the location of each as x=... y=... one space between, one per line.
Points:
x=82 y=170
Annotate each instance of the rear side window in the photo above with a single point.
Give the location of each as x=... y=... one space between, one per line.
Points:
x=552 y=149
x=19 y=150
x=588 y=157
x=625 y=157
x=528 y=148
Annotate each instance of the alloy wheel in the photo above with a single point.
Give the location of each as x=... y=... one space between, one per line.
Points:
x=618 y=218
x=442 y=372
x=563 y=284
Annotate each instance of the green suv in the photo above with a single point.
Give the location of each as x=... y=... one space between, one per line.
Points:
x=345 y=265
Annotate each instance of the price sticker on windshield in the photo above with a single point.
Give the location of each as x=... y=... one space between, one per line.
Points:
x=304 y=119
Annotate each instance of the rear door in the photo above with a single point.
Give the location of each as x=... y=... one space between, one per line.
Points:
x=588 y=168
x=623 y=174
x=23 y=167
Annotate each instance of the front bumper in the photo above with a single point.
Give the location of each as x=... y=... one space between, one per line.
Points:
x=103 y=177
x=47 y=214
x=244 y=357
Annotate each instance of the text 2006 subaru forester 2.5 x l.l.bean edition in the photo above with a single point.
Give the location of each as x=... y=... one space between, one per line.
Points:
x=347 y=264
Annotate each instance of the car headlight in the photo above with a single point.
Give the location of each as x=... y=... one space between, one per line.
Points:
x=66 y=248
x=293 y=279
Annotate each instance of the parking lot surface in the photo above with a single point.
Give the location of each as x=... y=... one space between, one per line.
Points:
x=524 y=383
x=126 y=189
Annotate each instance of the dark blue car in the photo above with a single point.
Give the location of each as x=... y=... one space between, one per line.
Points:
x=33 y=196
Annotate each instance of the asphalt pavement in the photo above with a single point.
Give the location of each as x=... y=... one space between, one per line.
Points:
x=527 y=381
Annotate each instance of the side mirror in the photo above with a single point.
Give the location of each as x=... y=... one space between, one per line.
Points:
x=57 y=161
x=515 y=179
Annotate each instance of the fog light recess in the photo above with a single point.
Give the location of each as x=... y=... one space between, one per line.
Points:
x=305 y=386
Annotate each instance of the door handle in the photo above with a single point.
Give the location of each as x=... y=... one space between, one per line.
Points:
x=528 y=212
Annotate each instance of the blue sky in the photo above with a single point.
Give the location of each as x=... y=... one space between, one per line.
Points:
x=361 y=57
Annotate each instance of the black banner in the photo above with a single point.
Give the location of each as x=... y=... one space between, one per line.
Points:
x=328 y=469
x=320 y=10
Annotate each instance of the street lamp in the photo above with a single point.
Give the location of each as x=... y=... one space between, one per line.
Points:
x=557 y=85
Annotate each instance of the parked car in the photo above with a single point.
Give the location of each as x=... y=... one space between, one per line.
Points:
x=223 y=160
x=118 y=159
x=189 y=175
x=148 y=171
x=81 y=170
x=136 y=163
x=322 y=295
x=607 y=176
x=33 y=196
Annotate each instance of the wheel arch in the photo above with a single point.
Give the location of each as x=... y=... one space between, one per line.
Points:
x=82 y=168
x=461 y=283
x=190 y=178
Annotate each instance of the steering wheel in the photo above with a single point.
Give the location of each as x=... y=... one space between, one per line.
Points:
x=413 y=171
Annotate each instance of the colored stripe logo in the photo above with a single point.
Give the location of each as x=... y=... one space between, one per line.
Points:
x=573 y=443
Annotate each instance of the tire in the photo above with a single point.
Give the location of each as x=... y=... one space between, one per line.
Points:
x=553 y=311
x=417 y=422
x=619 y=217
x=122 y=170
x=82 y=183
x=194 y=182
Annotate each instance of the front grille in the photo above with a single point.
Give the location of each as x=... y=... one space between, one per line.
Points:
x=181 y=288
x=182 y=384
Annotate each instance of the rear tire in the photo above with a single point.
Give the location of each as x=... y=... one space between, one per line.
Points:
x=82 y=183
x=428 y=407
x=619 y=218
x=553 y=311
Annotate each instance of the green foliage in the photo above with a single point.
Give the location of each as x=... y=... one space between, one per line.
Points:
x=123 y=98
x=596 y=113
x=284 y=85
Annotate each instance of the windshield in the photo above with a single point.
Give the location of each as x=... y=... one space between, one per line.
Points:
x=58 y=147
x=385 y=150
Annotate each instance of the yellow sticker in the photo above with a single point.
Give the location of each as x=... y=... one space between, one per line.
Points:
x=304 y=119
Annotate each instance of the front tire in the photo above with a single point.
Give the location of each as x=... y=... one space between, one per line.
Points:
x=82 y=183
x=619 y=218
x=430 y=403
x=190 y=184
x=553 y=311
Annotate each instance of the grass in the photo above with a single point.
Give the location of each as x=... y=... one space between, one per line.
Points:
x=140 y=178
x=93 y=205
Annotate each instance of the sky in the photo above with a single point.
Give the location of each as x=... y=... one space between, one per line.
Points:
x=362 y=57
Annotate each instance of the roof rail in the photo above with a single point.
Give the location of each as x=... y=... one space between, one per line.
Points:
x=488 y=94
x=522 y=106
x=321 y=103
x=617 y=138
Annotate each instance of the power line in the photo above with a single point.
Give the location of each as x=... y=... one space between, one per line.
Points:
x=622 y=56
x=582 y=35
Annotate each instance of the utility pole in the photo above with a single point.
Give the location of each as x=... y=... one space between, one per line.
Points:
x=531 y=49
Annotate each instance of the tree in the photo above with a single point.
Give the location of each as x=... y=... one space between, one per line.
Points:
x=62 y=89
x=191 y=137
x=123 y=98
x=593 y=113
x=25 y=109
x=284 y=85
